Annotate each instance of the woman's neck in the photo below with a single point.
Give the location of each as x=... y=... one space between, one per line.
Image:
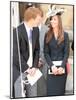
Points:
x=55 y=30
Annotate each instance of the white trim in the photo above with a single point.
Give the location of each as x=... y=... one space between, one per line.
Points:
x=57 y=63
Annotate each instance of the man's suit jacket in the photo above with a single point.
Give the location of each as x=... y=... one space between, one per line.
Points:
x=24 y=49
x=55 y=52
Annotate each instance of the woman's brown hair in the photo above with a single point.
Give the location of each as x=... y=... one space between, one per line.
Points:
x=32 y=12
x=50 y=33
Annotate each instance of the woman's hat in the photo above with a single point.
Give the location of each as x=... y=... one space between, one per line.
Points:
x=54 y=11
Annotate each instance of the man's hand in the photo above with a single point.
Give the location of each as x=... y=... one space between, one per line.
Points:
x=31 y=71
x=28 y=71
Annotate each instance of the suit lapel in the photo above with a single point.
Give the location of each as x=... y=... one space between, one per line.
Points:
x=25 y=36
x=34 y=37
x=24 y=32
x=33 y=40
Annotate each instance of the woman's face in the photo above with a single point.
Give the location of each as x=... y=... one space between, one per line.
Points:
x=54 y=21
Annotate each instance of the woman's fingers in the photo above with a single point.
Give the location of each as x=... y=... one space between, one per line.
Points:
x=60 y=70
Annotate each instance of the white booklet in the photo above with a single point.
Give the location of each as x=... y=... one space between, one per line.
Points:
x=33 y=79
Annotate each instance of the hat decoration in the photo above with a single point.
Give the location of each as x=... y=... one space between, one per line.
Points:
x=54 y=11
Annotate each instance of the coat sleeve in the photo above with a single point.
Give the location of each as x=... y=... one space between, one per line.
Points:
x=66 y=50
x=24 y=65
x=46 y=53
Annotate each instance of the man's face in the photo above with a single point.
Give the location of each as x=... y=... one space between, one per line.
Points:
x=37 y=21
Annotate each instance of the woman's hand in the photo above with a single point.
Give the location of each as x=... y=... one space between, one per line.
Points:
x=61 y=71
x=54 y=70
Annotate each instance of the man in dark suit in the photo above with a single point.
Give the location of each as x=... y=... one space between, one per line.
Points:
x=29 y=51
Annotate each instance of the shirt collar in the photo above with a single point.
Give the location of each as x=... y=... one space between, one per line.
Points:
x=27 y=27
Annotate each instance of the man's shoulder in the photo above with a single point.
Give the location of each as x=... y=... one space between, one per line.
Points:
x=18 y=29
x=20 y=25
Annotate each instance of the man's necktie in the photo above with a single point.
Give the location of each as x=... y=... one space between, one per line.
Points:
x=30 y=35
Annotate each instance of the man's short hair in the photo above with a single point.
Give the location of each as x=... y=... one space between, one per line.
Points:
x=32 y=12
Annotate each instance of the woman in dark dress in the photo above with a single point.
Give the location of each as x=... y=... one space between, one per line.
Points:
x=56 y=52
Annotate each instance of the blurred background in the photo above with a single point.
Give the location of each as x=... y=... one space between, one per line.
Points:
x=17 y=16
